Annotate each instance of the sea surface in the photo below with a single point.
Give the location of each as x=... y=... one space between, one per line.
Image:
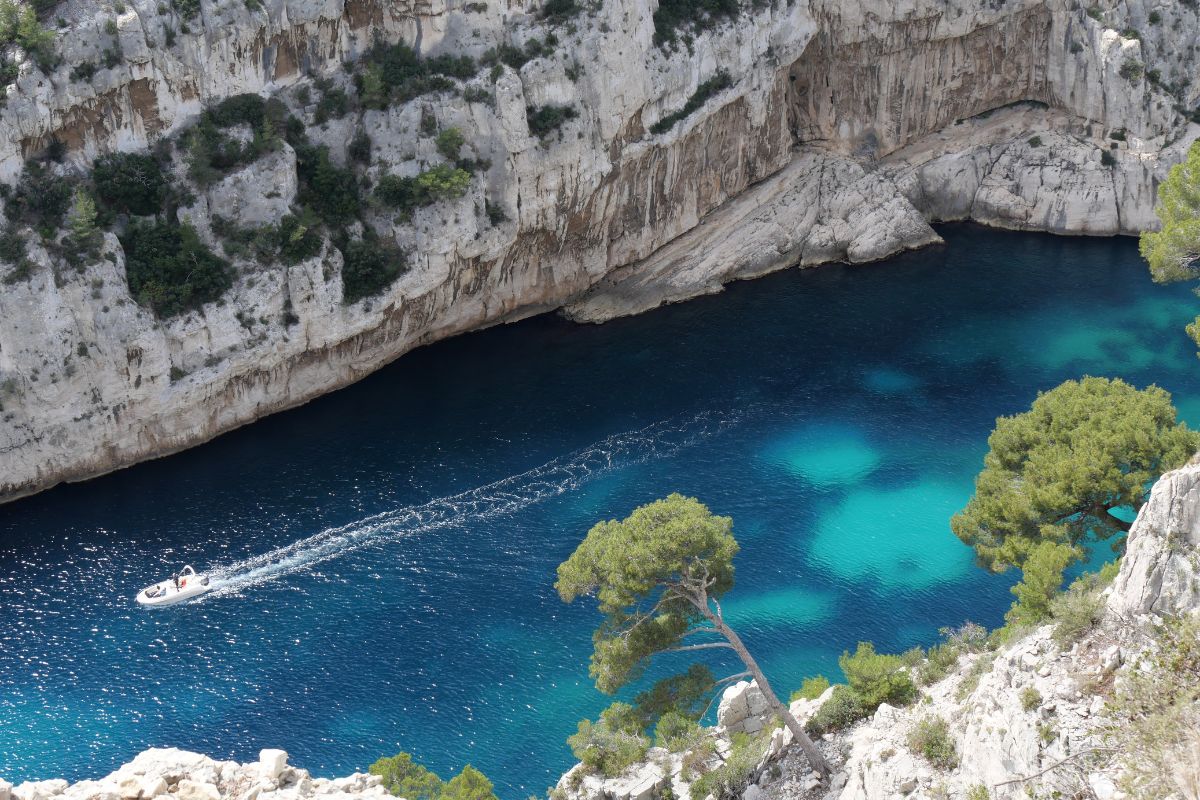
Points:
x=386 y=554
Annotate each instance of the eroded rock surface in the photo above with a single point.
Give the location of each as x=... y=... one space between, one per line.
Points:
x=845 y=129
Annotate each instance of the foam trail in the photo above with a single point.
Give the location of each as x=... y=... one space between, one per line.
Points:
x=501 y=498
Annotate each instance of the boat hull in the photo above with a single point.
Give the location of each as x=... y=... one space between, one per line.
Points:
x=170 y=595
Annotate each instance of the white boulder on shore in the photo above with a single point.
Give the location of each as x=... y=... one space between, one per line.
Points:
x=173 y=774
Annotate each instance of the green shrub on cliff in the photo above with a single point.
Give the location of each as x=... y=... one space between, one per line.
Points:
x=369 y=267
x=41 y=199
x=396 y=74
x=611 y=744
x=405 y=778
x=714 y=85
x=129 y=183
x=170 y=270
x=544 y=120
x=931 y=738
x=877 y=678
x=679 y=18
x=811 y=688
x=729 y=779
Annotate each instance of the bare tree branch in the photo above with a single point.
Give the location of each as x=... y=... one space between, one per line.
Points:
x=1056 y=765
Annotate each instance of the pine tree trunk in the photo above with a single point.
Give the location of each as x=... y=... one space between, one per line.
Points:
x=815 y=758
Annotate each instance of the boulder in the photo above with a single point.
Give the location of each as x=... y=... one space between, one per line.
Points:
x=195 y=790
x=130 y=788
x=153 y=786
x=39 y=790
x=271 y=763
x=5 y=790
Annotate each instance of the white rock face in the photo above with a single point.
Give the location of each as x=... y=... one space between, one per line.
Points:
x=846 y=128
x=178 y=774
x=1160 y=573
x=743 y=708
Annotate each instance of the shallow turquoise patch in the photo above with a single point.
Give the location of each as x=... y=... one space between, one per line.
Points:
x=898 y=538
x=792 y=607
x=825 y=454
x=886 y=380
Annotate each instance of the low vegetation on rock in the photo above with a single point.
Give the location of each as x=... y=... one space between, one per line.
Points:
x=405 y=778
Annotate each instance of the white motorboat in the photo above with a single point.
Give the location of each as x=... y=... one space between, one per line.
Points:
x=184 y=586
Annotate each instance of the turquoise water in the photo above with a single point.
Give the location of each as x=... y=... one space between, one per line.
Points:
x=387 y=553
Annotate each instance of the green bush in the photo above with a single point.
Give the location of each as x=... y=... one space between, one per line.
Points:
x=13 y=250
x=359 y=149
x=334 y=104
x=443 y=182
x=299 y=238
x=1035 y=141
x=187 y=9
x=677 y=732
x=129 y=183
x=1155 y=18
x=843 y=708
x=940 y=659
x=810 y=688
x=1132 y=70
x=877 y=678
x=405 y=778
x=686 y=16
x=1080 y=608
x=19 y=25
x=979 y=792
x=368 y=267
x=560 y=9
x=612 y=744
x=1107 y=158
x=396 y=74
x=440 y=182
x=517 y=57
x=729 y=779
x=170 y=270
x=40 y=199
x=328 y=189
x=212 y=153
x=449 y=142
x=931 y=738
x=543 y=120
x=704 y=91
x=1031 y=698
x=470 y=784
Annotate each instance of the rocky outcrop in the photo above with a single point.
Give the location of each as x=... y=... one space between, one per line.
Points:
x=1160 y=573
x=170 y=774
x=844 y=130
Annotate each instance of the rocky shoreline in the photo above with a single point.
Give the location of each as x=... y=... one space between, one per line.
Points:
x=171 y=774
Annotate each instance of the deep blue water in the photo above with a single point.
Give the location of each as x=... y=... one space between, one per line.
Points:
x=838 y=414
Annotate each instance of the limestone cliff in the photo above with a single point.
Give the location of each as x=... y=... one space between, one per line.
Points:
x=842 y=130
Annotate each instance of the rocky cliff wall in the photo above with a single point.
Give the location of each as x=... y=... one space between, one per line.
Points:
x=844 y=130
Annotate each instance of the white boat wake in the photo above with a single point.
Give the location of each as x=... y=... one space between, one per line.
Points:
x=506 y=496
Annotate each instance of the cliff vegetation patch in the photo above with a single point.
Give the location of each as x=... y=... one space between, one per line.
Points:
x=170 y=270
